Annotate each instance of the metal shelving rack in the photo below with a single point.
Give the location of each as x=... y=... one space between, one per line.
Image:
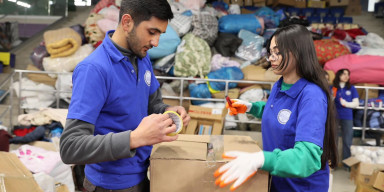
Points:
x=366 y=108
x=181 y=97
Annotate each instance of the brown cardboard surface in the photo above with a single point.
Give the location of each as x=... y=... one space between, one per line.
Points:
x=239 y=2
x=258 y=4
x=16 y=176
x=176 y=102
x=240 y=143
x=316 y=4
x=362 y=172
x=205 y=116
x=371 y=93
x=42 y=144
x=232 y=93
x=286 y=2
x=206 y=113
x=353 y=10
x=335 y=3
x=351 y=161
x=257 y=73
x=270 y=2
x=378 y=182
x=354 y=2
x=177 y=150
x=248 y=2
x=360 y=187
x=300 y=3
x=187 y=174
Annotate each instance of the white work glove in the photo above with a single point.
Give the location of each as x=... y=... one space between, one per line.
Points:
x=352 y=104
x=238 y=106
x=242 y=168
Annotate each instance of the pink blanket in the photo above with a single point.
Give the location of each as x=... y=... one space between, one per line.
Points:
x=364 y=68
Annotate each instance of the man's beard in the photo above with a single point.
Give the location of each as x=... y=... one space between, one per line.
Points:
x=134 y=44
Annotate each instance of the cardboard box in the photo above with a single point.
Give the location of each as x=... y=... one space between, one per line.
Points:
x=300 y=3
x=239 y=2
x=257 y=73
x=316 y=4
x=378 y=181
x=335 y=3
x=362 y=172
x=371 y=93
x=176 y=102
x=204 y=116
x=232 y=93
x=286 y=2
x=259 y=4
x=353 y=10
x=188 y=164
x=15 y=175
x=354 y=2
x=365 y=188
x=270 y=2
x=248 y=2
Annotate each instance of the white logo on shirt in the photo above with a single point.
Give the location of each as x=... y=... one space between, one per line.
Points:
x=147 y=78
x=283 y=116
x=348 y=92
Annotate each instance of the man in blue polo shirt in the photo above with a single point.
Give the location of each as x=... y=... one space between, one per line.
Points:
x=114 y=91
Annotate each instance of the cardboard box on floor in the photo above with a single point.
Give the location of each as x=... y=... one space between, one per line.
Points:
x=362 y=172
x=49 y=147
x=14 y=176
x=188 y=164
x=378 y=180
x=365 y=188
x=205 y=117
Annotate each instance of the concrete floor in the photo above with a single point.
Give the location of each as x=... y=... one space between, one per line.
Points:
x=341 y=181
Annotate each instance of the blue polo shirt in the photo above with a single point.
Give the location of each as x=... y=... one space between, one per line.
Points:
x=108 y=94
x=348 y=95
x=294 y=115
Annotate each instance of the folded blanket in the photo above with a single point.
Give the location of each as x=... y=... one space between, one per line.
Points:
x=62 y=42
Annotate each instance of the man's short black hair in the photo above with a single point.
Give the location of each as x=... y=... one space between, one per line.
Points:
x=143 y=10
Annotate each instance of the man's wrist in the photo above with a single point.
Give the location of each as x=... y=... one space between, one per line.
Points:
x=135 y=142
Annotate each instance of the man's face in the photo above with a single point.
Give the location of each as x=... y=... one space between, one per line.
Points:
x=145 y=36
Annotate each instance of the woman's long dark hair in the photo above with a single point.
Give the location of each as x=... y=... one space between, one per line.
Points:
x=336 y=81
x=296 y=40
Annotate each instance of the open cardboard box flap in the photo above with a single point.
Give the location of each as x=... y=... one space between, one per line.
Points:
x=195 y=147
x=365 y=168
x=16 y=176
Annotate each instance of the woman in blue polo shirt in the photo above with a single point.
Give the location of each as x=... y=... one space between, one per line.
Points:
x=298 y=121
x=346 y=98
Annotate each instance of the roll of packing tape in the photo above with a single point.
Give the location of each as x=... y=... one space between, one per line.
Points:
x=177 y=120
